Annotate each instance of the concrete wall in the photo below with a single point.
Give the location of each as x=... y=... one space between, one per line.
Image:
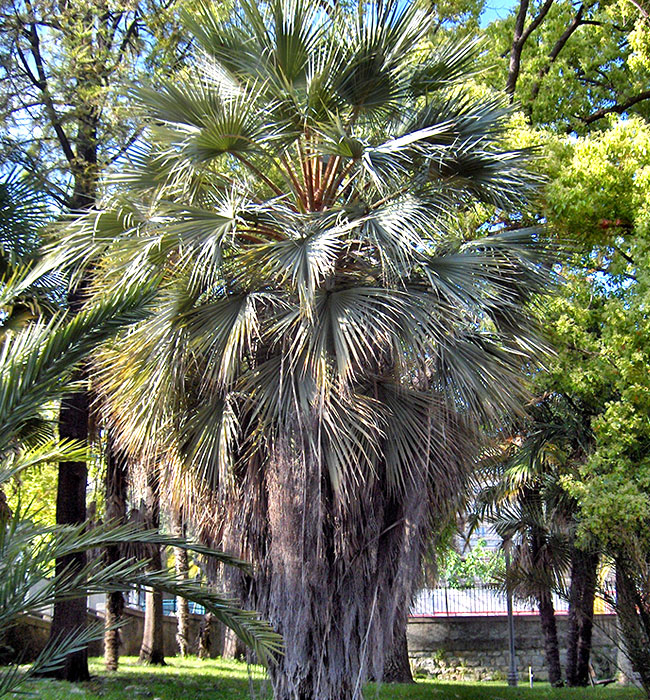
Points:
x=476 y=647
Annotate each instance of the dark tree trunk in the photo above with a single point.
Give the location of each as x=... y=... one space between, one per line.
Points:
x=634 y=619
x=70 y=615
x=397 y=667
x=332 y=576
x=586 y=618
x=205 y=637
x=182 y=567
x=116 y=493
x=573 y=631
x=84 y=168
x=152 y=649
x=551 y=646
x=514 y=63
x=584 y=568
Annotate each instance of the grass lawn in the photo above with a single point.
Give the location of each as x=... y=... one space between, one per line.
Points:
x=190 y=679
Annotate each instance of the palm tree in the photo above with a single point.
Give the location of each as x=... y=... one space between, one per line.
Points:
x=522 y=494
x=326 y=339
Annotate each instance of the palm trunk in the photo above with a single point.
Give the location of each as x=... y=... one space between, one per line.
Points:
x=549 y=630
x=152 y=649
x=116 y=492
x=331 y=576
x=397 y=667
x=584 y=568
x=182 y=567
x=573 y=633
x=634 y=619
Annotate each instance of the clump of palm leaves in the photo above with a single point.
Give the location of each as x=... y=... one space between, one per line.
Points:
x=325 y=341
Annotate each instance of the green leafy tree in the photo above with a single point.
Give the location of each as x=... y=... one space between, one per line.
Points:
x=479 y=565
x=571 y=64
x=596 y=198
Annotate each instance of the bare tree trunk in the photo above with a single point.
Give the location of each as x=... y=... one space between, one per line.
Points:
x=584 y=568
x=152 y=649
x=70 y=616
x=573 y=633
x=549 y=630
x=586 y=619
x=634 y=619
x=116 y=492
x=397 y=667
x=182 y=567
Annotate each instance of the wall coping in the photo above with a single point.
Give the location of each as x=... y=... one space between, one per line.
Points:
x=428 y=619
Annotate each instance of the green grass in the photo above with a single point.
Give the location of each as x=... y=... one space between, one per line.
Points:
x=218 y=679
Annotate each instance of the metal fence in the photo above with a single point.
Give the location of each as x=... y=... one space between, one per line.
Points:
x=478 y=600
x=443 y=601
x=137 y=599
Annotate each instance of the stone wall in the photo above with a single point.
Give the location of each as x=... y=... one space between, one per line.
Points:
x=476 y=647
x=450 y=648
x=25 y=641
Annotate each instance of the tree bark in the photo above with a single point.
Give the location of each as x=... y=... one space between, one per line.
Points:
x=205 y=637
x=116 y=494
x=519 y=39
x=634 y=619
x=586 y=619
x=584 y=569
x=182 y=567
x=70 y=616
x=549 y=630
x=573 y=632
x=397 y=667
x=332 y=575
x=152 y=649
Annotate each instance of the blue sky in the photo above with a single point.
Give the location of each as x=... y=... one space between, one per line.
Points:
x=496 y=9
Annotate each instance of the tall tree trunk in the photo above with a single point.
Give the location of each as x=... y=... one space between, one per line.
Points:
x=584 y=569
x=634 y=619
x=573 y=622
x=586 y=619
x=182 y=567
x=332 y=575
x=549 y=630
x=70 y=616
x=116 y=493
x=152 y=648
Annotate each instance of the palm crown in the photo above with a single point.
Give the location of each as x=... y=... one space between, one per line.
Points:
x=297 y=200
